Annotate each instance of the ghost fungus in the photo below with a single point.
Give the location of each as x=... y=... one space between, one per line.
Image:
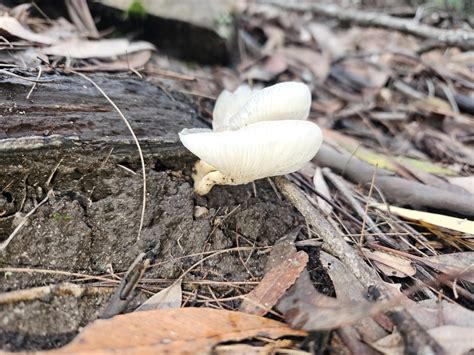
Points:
x=283 y=101
x=257 y=134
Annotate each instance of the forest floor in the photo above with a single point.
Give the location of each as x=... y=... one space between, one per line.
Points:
x=367 y=249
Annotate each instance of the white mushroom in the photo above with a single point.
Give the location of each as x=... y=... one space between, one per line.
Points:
x=283 y=101
x=257 y=134
x=228 y=104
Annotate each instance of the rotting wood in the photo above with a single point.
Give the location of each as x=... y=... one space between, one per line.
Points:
x=67 y=120
x=70 y=109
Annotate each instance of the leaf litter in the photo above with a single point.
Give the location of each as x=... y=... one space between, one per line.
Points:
x=399 y=127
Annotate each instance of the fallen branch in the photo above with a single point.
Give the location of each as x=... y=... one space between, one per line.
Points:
x=44 y=292
x=395 y=188
x=450 y=38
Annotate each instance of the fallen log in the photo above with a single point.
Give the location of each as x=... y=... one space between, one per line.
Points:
x=67 y=130
x=395 y=189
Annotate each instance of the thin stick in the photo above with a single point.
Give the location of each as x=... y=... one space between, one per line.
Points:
x=142 y=160
x=62 y=289
x=341 y=187
x=5 y=243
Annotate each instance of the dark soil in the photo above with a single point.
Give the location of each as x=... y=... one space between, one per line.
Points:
x=91 y=223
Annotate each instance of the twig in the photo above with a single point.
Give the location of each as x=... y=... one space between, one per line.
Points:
x=55 y=272
x=62 y=289
x=5 y=243
x=6 y=72
x=140 y=153
x=82 y=18
x=124 y=292
x=450 y=38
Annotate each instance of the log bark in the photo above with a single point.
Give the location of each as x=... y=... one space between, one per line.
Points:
x=67 y=129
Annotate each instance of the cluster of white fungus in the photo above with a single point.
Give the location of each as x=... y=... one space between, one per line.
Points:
x=256 y=134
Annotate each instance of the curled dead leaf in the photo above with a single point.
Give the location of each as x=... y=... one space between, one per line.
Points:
x=274 y=284
x=11 y=26
x=183 y=330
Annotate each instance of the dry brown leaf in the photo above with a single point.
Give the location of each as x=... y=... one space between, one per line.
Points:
x=268 y=70
x=317 y=63
x=305 y=308
x=133 y=61
x=183 y=330
x=363 y=74
x=11 y=26
x=170 y=297
x=390 y=345
x=327 y=40
x=106 y=48
x=454 y=340
x=274 y=284
x=390 y=265
x=341 y=277
x=275 y=38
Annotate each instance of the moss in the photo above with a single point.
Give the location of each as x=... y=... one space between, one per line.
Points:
x=61 y=216
x=136 y=10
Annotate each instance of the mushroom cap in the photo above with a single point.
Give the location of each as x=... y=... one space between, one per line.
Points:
x=283 y=101
x=258 y=150
x=228 y=104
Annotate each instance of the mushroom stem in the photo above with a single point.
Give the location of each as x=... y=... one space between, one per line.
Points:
x=205 y=185
x=201 y=169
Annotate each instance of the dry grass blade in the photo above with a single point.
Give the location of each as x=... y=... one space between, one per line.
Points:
x=457 y=224
x=5 y=243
